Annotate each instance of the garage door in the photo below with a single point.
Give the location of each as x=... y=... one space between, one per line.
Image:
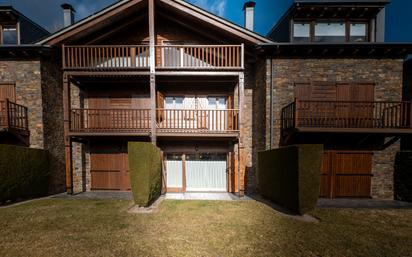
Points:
x=109 y=167
x=206 y=173
x=346 y=174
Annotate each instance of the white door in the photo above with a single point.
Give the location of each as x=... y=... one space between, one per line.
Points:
x=219 y=117
x=174 y=171
x=206 y=173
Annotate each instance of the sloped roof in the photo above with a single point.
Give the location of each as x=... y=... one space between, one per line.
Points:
x=184 y=6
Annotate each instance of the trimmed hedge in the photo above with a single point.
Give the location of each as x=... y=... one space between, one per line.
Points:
x=145 y=166
x=403 y=176
x=24 y=173
x=290 y=176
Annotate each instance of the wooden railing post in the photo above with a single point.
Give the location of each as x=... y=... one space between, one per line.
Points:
x=242 y=56
x=410 y=114
x=133 y=56
x=8 y=113
x=296 y=113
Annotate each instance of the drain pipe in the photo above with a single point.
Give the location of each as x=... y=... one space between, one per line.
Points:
x=271 y=106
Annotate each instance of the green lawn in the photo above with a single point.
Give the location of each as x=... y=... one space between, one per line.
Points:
x=61 y=227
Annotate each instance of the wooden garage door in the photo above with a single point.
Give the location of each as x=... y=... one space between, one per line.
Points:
x=346 y=174
x=109 y=168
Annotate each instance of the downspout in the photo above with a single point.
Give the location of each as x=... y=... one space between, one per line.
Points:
x=271 y=105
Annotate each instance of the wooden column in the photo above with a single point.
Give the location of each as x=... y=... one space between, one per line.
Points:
x=152 y=51
x=241 y=160
x=67 y=140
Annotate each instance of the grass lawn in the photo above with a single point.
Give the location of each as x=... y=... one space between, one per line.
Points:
x=62 y=227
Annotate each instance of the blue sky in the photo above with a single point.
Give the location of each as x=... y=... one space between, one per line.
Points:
x=398 y=27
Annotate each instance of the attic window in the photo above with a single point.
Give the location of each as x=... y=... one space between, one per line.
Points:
x=330 y=32
x=301 y=32
x=9 y=34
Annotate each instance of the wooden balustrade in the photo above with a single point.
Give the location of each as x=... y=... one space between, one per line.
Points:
x=109 y=120
x=110 y=57
x=200 y=56
x=347 y=114
x=13 y=116
x=129 y=57
x=195 y=120
x=168 y=120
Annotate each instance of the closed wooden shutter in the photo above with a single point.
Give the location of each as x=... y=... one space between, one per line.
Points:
x=160 y=104
x=8 y=91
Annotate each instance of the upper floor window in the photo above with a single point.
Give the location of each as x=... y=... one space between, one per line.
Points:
x=301 y=32
x=330 y=31
x=9 y=34
x=358 y=32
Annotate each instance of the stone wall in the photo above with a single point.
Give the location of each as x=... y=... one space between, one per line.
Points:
x=385 y=73
x=53 y=125
x=26 y=74
x=38 y=87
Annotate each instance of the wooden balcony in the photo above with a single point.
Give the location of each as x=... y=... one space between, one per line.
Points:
x=348 y=117
x=13 y=118
x=136 y=122
x=167 y=57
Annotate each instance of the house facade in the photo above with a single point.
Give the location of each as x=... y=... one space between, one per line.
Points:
x=211 y=95
x=332 y=80
x=164 y=72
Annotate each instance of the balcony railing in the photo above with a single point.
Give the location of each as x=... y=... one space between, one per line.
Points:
x=110 y=120
x=200 y=56
x=119 y=57
x=135 y=57
x=347 y=115
x=13 y=116
x=197 y=121
x=169 y=121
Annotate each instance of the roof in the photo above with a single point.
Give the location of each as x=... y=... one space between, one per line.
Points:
x=180 y=4
x=332 y=50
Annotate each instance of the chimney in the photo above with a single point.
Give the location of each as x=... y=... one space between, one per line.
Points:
x=68 y=14
x=249 y=9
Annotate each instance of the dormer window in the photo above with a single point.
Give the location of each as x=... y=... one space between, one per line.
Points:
x=325 y=31
x=333 y=32
x=301 y=32
x=358 y=32
x=9 y=35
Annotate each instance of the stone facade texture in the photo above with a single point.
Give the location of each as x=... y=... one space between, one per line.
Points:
x=385 y=73
x=38 y=87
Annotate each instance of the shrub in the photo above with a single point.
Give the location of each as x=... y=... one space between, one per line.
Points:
x=403 y=176
x=290 y=176
x=145 y=167
x=24 y=173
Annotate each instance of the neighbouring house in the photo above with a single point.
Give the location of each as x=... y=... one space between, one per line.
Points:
x=160 y=71
x=31 y=112
x=331 y=79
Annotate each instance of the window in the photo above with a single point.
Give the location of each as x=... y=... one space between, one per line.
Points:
x=174 y=102
x=217 y=103
x=358 y=32
x=330 y=32
x=9 y=34
x=301 y=32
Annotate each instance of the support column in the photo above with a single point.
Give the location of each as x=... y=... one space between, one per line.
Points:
x=240 y=154
x=152 y=50
x=67 y=140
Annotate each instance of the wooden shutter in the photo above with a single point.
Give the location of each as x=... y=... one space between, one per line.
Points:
x=356 y=104
x=8 y=91
x=160 y=104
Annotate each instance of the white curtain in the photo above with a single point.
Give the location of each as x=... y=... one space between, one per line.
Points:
x=174 y=174
x=206 y=176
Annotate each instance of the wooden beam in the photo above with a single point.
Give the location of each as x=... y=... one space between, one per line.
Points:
x=153 y=108
x=152 y=43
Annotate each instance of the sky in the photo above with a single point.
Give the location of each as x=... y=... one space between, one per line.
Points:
x=267 y=13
